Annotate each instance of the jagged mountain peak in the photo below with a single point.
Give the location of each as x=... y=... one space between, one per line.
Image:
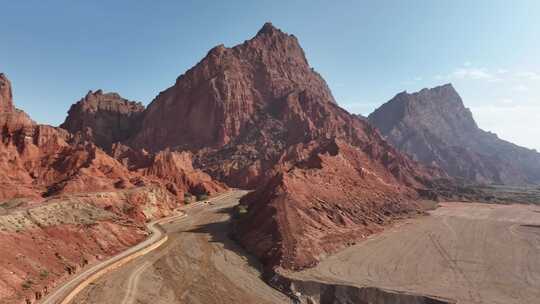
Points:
x=434 y=126
x=215 y=101
x=104 y=118
x=268 y=28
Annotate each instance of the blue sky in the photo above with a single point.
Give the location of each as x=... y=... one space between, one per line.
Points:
x=55 y=51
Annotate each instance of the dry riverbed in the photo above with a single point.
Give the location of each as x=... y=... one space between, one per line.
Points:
x=470 y=253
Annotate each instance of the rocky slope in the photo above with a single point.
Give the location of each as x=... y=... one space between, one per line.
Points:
x=327 y=195
x=229 y=108
x=434 y=127
x=43 y=244
x=38 y=160
x=65 y=203
x=257 y=115
x=104 y=118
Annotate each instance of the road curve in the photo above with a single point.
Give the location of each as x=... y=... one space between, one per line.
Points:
x=199 y=263
x=66 y=292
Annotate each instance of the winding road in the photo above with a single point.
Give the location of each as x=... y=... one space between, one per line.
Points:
x=191 y=260
x=65 y=293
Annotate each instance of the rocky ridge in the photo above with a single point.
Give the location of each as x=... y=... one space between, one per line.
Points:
x=258 y=116
x=104 y=118
x=64 y=202
x=434 y=127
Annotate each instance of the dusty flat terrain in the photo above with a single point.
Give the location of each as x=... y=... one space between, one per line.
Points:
x=472 y=253
x=198 y=264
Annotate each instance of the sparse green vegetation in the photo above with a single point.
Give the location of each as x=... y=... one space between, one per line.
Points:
x=44 y=274
x=202 y=197
x=27 y=284
x=188 y=197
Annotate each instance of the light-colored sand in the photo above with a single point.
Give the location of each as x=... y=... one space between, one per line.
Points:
x=199 y=264
x=473 y=253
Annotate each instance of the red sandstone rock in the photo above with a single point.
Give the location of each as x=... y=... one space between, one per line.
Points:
x=257 y=115
x=38 y=160
x=327 y=195
x=175 y=170
x=6 y=97
x=104 y=118
x=223 y=96
x=45 y=240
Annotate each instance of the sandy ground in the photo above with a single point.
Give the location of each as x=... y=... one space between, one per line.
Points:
x=472 y=253
x=198 y=264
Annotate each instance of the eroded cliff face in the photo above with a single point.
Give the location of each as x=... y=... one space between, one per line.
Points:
x=224 y=96
x=240 y=108
x=434 y=127
x=39 y=161
x=45 y=243
x=65 y=203
x=327 y=195
x=104 y=118
x=6 y=97
x=257 y=116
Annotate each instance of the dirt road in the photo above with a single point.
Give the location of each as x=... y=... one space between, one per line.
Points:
x=64 y=293
x=472 y=253
x=198 y=264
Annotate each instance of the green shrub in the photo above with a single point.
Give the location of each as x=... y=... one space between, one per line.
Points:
x=202 y=197
x=44 y=274
x=27 y=284
x=188 y=197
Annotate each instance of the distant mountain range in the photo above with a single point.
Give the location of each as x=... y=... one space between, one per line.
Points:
x=435 y=128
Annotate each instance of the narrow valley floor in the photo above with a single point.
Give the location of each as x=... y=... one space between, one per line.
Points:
x=198 y=264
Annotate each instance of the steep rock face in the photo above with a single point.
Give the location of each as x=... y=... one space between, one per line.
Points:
x=38 y=161
x=176 y=170
x=326 y=195
x=44 y=244
x=225 y=94
x=434 y=127
x=65 y=203
x=6 y=98
x=256 y=115
x=104 y=118
x=240 y=108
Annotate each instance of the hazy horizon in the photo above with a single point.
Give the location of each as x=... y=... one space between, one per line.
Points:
x=366 y=52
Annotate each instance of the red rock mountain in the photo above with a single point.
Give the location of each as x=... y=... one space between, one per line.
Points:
x=258 y=116
x=104 y=118
x=65 y=203
x=434 y=127
x=40 y=160
x=6 y=97
x=220 y=98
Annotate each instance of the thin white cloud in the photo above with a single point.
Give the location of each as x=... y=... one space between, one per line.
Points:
x=505 y=101
x=520 y=88
x=472 y=73
x=529 y=75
